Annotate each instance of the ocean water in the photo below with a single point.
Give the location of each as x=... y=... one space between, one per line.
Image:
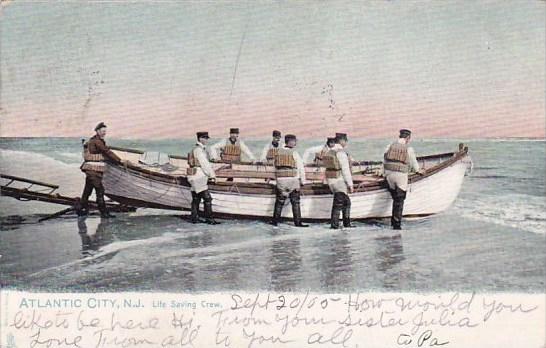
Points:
x=491 y=239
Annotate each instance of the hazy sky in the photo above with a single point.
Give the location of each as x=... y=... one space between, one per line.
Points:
x=441 y=68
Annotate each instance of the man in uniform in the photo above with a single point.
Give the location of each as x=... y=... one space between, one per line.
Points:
x=95 y=154
x=399 y=160
x=314 y=154
x=290 y=174
x=340 y=180
x=351 y=159
x=200 y=172
x=229 y=150
x=270 y=149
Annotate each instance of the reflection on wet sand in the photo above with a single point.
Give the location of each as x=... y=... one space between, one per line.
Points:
x=336 y=271
x=389 y=255
x=94 y=239
x=162 y=253
x=216 y=266
x=285 y=264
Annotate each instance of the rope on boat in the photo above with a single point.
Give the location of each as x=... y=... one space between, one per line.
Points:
x=360 y=186
x=234 y=186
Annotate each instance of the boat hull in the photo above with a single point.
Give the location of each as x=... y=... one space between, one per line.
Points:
x=428 y=195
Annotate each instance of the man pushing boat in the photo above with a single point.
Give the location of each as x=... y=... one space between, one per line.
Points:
x=95 y=155
x=399 y=160
x=290 y=174
x=200 y=172
x=340 y=180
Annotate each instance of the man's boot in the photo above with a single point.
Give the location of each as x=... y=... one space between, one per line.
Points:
x=104 y=213
x=80 y=210
x=277 y=210
x=397 y=208
x=296 y=211
x=337 y=205
x=346 y=212
x=195 y=201
x=207 y=198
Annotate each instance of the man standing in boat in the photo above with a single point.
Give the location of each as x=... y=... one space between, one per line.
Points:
x=399 y=160
x=315 y=154
x=95 y=154
x=340 y=180
x=270 y=149
x=230 y=149
x=200 y=172
x=290 y=174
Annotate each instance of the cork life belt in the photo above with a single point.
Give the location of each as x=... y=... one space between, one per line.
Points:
x=320 y=155
x=92 y=162
x=285 y=165
x=396 y=158
x=193 y=164
x=231 y=153
x=271 y=153
x=332 y=165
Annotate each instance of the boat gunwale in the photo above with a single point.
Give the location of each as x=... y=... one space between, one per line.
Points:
x=311 y=165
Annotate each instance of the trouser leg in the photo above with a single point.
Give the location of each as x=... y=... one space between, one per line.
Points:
x=99 y=192
x=398 y=197
x=207 y=202
x=87 y=190
x=279 y=204
x=195 y=201
x=337 y=206
x=346 y=211
x=296 y=208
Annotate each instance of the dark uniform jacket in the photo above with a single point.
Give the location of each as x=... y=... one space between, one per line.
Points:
x=96 y=146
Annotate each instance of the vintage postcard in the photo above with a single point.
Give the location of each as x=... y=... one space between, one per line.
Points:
x=272 y=174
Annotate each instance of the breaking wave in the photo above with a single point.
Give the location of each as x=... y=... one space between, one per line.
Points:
x=72 y=156
x=520 y=211
x=39 y=167
x=10 y=159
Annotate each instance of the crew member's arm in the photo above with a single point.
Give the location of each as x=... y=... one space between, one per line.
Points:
x=246 y=151
x=345 y=168
x=204 y=162
x=309 y=154
x=106 y=152
x=300 y=167
x=215 y=149
x=412 y=161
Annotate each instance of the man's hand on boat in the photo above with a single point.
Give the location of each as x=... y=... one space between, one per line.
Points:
x=421 y=171
x=212 y=180
x=351 y=189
